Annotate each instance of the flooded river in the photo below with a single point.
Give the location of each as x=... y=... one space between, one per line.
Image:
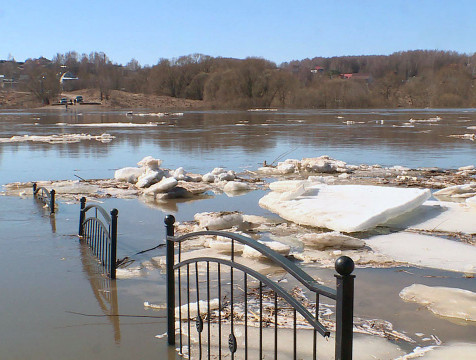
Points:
x=49 y=284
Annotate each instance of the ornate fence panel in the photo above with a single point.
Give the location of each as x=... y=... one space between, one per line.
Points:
x=261 y=301
x=100 y=233
x=45 y=196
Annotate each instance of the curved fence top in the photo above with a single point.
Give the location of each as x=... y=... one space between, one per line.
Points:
x=101 y=210
x=278 y=259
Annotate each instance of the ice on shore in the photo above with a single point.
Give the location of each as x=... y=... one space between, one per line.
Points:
x=345 y=208
x=427 y=251
x=443 y=301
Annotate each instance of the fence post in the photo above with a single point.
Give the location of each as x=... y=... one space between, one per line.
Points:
x=34 y=189
x=169 y=226
x=52 y=201
x=81 y=216
x=344 y=307
x=112 y=258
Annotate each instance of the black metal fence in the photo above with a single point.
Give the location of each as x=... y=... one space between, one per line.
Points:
x=100 y=233
x=45 y=196
x=259 y=303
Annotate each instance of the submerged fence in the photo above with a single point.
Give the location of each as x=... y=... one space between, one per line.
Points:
x=258 y=305
x=45 y=196
x=99 y=231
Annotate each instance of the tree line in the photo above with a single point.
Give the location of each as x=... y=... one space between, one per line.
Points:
x=418 y=79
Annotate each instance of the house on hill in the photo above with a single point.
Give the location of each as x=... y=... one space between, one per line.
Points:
x=317 y=70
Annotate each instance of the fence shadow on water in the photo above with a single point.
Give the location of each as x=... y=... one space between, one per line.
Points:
x=225 y=308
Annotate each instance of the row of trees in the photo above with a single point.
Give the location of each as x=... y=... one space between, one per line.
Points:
x=408 y=79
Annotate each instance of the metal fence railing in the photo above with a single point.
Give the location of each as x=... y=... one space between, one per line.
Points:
x=99 y=231
x=240 y=292
x=45 y=196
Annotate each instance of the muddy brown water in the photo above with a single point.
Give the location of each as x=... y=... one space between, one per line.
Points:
x=49 y=285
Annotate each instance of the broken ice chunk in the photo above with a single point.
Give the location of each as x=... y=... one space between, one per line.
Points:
x=128 y=174
x=165 y=185
x=333 y=240
x=425 y=250
x=219 y=220
x=443 y=301
x=280 y=248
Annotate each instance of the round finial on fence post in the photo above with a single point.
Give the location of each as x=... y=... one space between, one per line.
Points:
x=344 y=265
x=83 y=202
x=169 y=220
x=114 y=212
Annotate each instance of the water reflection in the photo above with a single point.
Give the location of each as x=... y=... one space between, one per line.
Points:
x=46 y=212
x=200 y=141
x=104 y=289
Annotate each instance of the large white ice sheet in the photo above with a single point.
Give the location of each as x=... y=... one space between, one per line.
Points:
x=346 y=208
x=426 y=251
x=438 y=216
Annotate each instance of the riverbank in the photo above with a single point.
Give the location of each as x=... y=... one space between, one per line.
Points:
x=116 y=100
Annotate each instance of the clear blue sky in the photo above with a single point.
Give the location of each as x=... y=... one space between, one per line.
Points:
x=276 y=30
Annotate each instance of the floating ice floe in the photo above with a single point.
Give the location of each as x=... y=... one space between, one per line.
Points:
x=115 y=125
x=322 y=164
x=163 y=186
x=193 y=309
x=443 y=216
x=443 y=301
x=219 y=220
x=129 y=273
x=461 y=191
x=427 y=251
x=276 y=246
x=430 y=120
x=58 y=139
x=346 y=208
x=471 y=137
x=460 y=351
x=149 y=178
x=128 y=174
x=234 y=187
x=150 y=162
